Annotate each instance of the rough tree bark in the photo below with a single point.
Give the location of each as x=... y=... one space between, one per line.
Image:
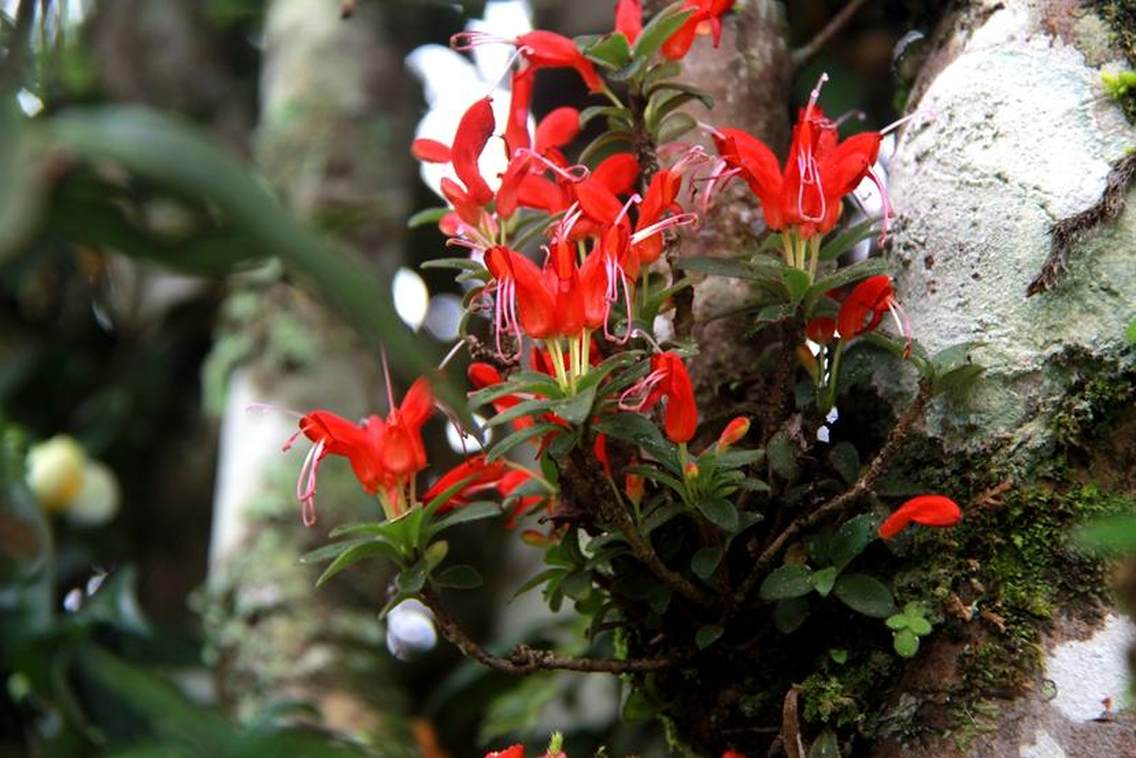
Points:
x=1015 y=136
x=327 y=137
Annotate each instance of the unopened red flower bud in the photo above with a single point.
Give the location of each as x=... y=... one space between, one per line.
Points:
x=634 y=486
x=733 y=432
x=690 y=471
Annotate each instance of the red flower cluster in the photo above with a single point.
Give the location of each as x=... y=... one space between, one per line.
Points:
x=805 y=195
x=861 y=312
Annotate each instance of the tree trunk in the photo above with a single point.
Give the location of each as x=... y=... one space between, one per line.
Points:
x=326 y=102
x=1014 y=139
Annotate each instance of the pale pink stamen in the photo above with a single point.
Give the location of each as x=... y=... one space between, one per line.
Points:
x=635 y=199
x=464 y=42
x=640 y=391
x=694 y=156
x=717 y=179
x=671 y=222
x=898 y=123
x=574 y=173
x=807 y=167
x=903 y=324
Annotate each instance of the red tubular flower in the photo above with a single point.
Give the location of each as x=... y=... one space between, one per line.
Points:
x=807 y=193
x=629 y=19
x=862 y=310
x=706 y=18
x=668 y=380
x=927 y=510
x=383 y=454
x=557 y=129
x=550 y=50
x=478 y=476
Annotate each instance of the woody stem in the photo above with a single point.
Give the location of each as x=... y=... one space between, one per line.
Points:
x=524 y=659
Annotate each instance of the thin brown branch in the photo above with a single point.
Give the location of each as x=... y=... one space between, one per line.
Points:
x=525 y=660
x=803 y=55
x=584 y=476
x=847 y=498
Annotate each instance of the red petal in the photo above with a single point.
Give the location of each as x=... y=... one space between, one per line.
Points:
x=629 y=18
x=551 y=50
x=598 y=201
x=536 y=303
x=474 y=131
x=678 y=44
x=514 y=751
x=482 y=375
x=681 y=418
x=870 y=298
x=617 y=173
x=417 y=405
x=821 y=330
x=517 y=130
x=430 y=151
x=557 y=129
x=464 y=205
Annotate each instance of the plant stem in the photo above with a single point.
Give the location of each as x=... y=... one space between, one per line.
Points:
x=525 y=660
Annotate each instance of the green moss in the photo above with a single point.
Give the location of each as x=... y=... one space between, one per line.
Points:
x=1121 y=16
x=841 y=695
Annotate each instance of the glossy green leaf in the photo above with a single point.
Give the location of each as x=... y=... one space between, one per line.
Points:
x=823 y=580
x=846 y=239
x=520 y=437
x=369 y=549
x=674 y=126
x=465 y=514
x=610 y=51
x=428 y=216
x=846 y=460
x=719 y=512
x=786 y=582
x=577 y=408
x=656 y=31
x=865 y=594
x=782 y=454
x=852 y=538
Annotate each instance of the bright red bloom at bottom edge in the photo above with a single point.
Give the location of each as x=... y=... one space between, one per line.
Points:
x=926 y=510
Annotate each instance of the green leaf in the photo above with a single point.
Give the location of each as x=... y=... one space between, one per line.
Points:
x=535 y=407
x=674 y=126
x=705 y=561
x=464 y=514
x=846 y=239
x=897 y=622
x=719 y=512
x=789 y=614
x=786 y=582
x=577 y=408
x=460 y=264
x=413 y=579
x=826 y=746
x=842 y=277
x=459 y=577
x=357 y=553
x=906 y=643
x=707 y=636
x=919 y=625
x=824 y=579
x=641 y=432
x=782 y=454
x=603 y=145
x=956 y=383
x=796 y=283
x=518 y=438
x=838 y=655
x=656 y=31
x=852 y=538
x=621 y=115
x=1130 y=333
x=611 y=51
x=661 y=106
x=182 y=159
x=846 y=460
x=659 y=76
x=334 y=550
x=865 y=594
x=428 y=216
